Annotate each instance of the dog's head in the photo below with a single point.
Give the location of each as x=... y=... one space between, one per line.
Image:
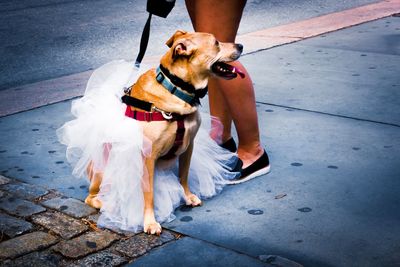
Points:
x=194 y=56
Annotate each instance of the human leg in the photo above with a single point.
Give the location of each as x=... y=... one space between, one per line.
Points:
x=229 y=99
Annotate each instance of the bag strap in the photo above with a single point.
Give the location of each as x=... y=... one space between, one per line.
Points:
x=144 y=41
x=159 y=8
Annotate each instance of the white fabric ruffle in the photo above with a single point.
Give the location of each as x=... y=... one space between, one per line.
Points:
x=101 y=133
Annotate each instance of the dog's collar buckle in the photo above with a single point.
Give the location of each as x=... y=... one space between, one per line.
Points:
x=160 y=77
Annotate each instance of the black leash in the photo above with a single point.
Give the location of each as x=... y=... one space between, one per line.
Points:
x=159 y=8
x=144 y=41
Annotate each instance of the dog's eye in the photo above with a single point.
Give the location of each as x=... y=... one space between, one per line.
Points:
x=216 y=43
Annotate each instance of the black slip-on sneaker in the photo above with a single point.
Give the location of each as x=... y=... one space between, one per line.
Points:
x=229 y=145
x=257 y=168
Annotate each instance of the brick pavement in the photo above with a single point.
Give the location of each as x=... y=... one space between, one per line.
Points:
x=44 y=228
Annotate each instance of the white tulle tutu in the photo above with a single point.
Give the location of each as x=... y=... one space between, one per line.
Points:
x=101 y=133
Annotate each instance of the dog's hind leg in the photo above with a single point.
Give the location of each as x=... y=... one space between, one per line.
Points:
x=150 y=225
x=184 y=164
x=95 y=179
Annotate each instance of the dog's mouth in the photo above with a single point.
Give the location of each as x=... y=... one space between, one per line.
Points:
x=226 y=71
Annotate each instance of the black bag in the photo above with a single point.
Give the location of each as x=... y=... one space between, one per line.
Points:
x=159 y=8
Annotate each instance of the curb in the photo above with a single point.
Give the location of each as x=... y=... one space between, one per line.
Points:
x=71 y=86
x=297 y=31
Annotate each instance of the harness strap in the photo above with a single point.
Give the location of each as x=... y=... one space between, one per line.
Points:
x=135 y=102
x=143 y=115
x=180 y=133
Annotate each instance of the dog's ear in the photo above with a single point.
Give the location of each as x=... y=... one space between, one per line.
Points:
x=184 y=47
x=171 y=40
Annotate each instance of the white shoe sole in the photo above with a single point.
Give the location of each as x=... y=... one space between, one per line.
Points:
x=260 y=172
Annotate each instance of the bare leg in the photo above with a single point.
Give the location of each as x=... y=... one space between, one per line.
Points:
x=233 y=99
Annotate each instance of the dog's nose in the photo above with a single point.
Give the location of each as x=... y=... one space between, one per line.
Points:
x=239 y=47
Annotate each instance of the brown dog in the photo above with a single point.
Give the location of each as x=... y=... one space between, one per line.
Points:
x=190 y=61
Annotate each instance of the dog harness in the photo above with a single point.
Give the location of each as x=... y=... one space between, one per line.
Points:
x=176 y=86
x=149 y=116
x=158 y=116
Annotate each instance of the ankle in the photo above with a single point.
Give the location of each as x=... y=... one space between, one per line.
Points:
x=248 y=155
x=230 y=145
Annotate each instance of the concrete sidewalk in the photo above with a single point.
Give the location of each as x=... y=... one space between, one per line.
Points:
x=329 y=115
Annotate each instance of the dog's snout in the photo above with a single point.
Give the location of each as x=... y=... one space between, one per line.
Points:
x=239 y=47
x=238 y=51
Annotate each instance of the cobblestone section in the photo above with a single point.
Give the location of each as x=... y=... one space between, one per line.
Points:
x=25 y=191
x=44 y=228
x=61 y=224
x=70 y=206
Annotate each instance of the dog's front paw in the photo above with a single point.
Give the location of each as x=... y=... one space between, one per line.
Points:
x=192 y=200
x=152 y=228
x=150 y=225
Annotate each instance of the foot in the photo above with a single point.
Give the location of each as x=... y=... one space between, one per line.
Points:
x=250 y=155
x=230 y=145
x=259 y=167
x=192 y=200
x=150 y=225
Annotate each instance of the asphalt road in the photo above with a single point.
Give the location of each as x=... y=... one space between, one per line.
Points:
x=45 y=39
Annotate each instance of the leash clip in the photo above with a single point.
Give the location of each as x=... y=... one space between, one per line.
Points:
x=127 y=90
x=166 y=115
